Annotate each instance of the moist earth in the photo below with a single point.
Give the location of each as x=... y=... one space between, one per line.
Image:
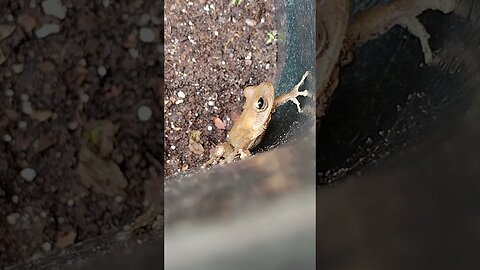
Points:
x=213 y=50
x=81 y=120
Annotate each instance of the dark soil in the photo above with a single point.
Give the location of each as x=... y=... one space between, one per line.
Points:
x=51 y=90
x=212 y=52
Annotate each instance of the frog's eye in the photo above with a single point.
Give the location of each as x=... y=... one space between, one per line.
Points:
x=261 y=104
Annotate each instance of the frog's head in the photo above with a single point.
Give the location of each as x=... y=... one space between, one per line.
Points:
x=259 y=104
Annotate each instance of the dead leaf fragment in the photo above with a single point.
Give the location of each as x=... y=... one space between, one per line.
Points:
x=47 y=67
x=101 y=134
x=195 y=135
x=195 y=148
x=102 y=175
x=41 y=115
x=193 y=143
x=2 y=57
x=234 y=116
x=28 y=23
x=6 y=31
x=219 y=123
x=66 y=240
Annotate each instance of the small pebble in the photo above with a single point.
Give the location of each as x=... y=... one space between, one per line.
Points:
x=54 y=8
x=147 y=35
x=144 y=19
x=26 y=107
x=106 y=3
x=7 y=138
x=144 y=113
x=70 y=202
x=102 y=71
x=47 y=29
x=118 y=199
x=83 y=62
x=15 y=199
x=133 y=52
x=61 y=220
x=12 y=218
x=211 y=103
x=209 y=128
x=84 y=98
x=173 y=147
x=181 y=94
x=22 y=124
x=28 y=174
x=17 y=68
x=9 y=93
x=250 y=22
x=46 y=246
x=24 y=97
x=43 y=214
x=72 y=125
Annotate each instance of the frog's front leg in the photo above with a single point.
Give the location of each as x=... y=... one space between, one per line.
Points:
x=293 y=94
x=380 y=19
x=223 y=150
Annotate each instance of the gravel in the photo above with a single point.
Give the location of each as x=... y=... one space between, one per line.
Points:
x=102 y=71
x=147 y=35
x=54 y=8
x=144 y=113
x=28 y=174
x=47 y=29
x=46 y=246
x=7 y=138
x=12 y=218
x=9 y=93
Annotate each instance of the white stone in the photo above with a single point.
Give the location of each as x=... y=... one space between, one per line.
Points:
x=17 y=68
x=106 y=3
x=181 y=94
x=22 y=124
x=26 y=107
x=7 y=138
x=54 y=8
x=73 y=125
x=12 y=218
x=102 y=71
x=15 y=199
x=28 y=174
x=46 y=246
x=133 y=52
x=70 y=202
x=9 y=93
x=47 y=29
x=147 y=35
x=84 y=98
x=144 y=113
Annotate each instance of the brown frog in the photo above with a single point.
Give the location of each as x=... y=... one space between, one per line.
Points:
x=338 y=36
x=249 y=129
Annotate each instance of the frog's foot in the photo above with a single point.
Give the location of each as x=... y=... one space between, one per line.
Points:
x=416 y=28
x=230 y=157
x=220 y=151
x=244 y=154
x=293 y=94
